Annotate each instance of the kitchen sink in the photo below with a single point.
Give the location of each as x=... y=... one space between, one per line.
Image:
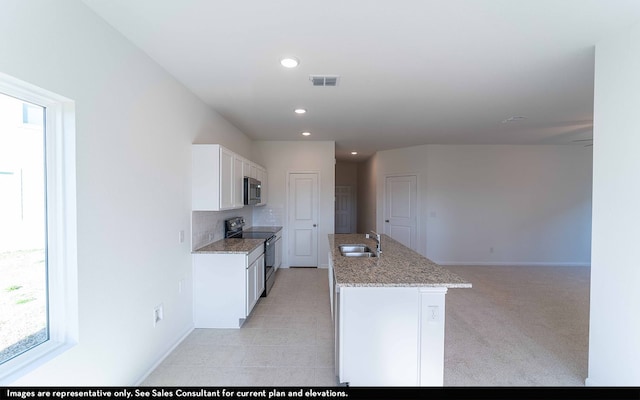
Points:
x=365 y=254
x=356 y=250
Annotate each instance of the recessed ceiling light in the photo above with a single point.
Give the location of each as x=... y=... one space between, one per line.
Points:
x=289 y=62
x=300 y=110
x=354 y=153
x=306 y=133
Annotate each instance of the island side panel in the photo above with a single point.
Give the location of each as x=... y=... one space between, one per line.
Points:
x=432 y=312
x=379 y=329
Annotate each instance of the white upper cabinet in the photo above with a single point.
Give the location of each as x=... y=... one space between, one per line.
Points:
x=238 y=182
x=218 y=178
x=246 y=168
x=210 y=177
x=261 y=175
x=256 y=171
x=227 y=179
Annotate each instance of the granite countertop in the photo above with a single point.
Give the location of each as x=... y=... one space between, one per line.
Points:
x=271 y=229
x=230 y=246
x=397 y=266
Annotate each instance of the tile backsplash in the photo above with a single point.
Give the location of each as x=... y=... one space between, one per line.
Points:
x=208 y=226
x=268 y=216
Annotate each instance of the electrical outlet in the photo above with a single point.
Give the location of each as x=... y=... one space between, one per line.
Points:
x=158 y=314
x=433 y=314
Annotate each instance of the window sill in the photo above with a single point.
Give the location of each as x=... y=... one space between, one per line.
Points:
x=31 y=360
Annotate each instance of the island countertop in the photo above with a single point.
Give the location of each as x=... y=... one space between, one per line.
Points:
x=396 y=266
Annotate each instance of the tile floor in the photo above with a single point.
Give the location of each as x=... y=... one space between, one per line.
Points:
x=286 y=341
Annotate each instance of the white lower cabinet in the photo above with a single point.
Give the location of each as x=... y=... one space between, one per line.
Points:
x=255 y=282
x=226 y=287
x=389 y=336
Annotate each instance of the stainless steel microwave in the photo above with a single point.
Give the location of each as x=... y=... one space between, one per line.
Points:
x=251 y=191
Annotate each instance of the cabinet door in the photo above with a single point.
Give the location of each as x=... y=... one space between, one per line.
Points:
x=205 y=183
x=226 y=179
x=246 y=168
x=278 y=258
x=260 y=280
x=252 y=278
x=238 y=182
x=254 y=171
x=262 y=173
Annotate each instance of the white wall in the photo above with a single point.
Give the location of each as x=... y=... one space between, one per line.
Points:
x=283 y=157
x=531 y=204
x=135 y=125
x=614 y=329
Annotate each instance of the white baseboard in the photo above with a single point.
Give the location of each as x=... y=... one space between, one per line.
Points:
x=515 y=263
x=165 y=355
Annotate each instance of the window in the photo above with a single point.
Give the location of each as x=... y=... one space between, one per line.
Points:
x=38 y=274
x=32 y=114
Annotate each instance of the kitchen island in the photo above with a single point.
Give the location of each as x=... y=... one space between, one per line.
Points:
x=388 y=313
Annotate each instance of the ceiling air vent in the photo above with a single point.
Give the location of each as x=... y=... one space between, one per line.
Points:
x=324 y=80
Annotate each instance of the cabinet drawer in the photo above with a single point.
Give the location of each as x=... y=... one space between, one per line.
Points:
x=253 y=256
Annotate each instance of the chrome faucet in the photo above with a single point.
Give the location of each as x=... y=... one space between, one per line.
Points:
x=376 y=237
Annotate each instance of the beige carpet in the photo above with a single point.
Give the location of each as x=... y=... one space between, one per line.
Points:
x=518 y=326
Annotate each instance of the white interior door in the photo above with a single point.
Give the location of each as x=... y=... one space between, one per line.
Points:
x=303 y=219
x=343 y=209
x=400 y=213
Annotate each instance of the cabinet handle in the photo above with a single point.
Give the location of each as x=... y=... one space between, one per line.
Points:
x=386 y=220
x=314 y=225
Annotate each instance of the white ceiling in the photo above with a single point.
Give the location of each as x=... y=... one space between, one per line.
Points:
x=411 y=71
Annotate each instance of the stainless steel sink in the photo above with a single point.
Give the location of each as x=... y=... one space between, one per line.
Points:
x=361 y=254
x=356 y=250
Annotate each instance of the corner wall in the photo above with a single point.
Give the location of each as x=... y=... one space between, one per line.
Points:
x=134 y=125
x=614 y=329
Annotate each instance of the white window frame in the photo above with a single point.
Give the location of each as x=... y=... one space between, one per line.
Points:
x=62 y=266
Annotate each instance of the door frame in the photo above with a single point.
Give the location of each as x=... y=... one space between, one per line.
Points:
x=418 y=208
x=285 y=234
